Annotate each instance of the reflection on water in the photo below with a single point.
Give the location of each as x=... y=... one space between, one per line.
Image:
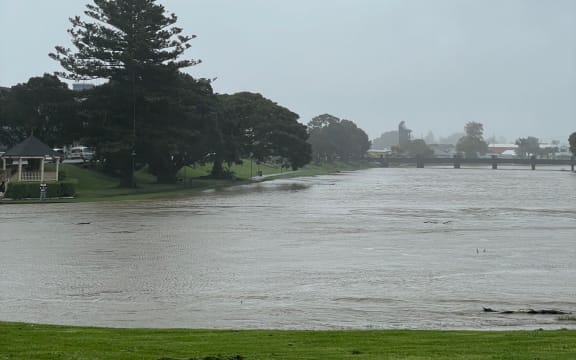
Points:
x=382 y=248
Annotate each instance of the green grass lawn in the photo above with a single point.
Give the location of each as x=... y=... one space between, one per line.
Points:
x=92 y=185
x=27 y=341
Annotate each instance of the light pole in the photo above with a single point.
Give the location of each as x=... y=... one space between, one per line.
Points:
x=133 y=168
x=133 y=127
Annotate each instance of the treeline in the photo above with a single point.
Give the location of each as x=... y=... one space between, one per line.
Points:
x=470 y=144
x=332 y=138
x=149 y=112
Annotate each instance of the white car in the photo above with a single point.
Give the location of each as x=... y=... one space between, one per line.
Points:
x=81 y=153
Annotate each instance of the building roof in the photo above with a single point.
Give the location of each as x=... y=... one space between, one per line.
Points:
x=31 y=147
x=509 y=146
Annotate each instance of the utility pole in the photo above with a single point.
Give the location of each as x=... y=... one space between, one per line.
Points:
x=133 y=154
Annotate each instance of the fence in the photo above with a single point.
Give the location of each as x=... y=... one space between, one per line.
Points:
x=35 y=176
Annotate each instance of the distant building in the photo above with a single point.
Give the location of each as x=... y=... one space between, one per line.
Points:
x=378 y=153
x=443 y=150
x=403 y=134
x=507 y=154
x=82 y=86
x=501 y=148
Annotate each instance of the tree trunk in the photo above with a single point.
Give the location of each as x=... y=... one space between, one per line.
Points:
x=128 y=181
x=166 y=177
x=217 y=169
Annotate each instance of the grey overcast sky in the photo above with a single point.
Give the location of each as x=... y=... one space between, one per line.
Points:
x=436 y=64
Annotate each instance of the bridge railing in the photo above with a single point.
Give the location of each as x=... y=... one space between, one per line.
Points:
x=457 y=161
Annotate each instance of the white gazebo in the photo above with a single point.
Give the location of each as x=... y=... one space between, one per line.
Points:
x=28 y=160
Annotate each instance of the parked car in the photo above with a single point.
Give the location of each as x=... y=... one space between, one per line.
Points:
x=60 y=152
x=81 y=152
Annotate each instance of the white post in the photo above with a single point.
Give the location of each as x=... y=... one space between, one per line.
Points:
x=57 y=167
x=42 y=170
x=19 y=169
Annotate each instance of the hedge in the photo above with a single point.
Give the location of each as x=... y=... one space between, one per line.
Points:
x=32 y=190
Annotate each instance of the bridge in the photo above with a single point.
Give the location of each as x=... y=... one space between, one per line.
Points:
x=458 y=161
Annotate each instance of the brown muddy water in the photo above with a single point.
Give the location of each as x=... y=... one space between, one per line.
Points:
x=375 y=249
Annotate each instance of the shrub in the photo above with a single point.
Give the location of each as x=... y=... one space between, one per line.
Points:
x=62 y=175
x=32 y=190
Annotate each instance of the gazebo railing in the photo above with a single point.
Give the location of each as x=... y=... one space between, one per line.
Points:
x=35 y=176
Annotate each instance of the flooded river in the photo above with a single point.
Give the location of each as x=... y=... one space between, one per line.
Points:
x=374 y=249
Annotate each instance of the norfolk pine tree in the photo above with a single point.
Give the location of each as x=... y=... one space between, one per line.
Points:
x=135 y=45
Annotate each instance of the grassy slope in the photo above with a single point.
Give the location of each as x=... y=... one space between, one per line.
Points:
x=27 y=341
x=96 y=186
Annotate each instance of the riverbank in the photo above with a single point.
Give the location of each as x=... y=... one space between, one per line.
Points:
x=31 y=341
x=93 y=186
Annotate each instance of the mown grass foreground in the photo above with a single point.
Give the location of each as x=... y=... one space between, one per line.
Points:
x=29 y=341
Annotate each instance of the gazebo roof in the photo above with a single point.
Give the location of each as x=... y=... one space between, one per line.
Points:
x=31 y=147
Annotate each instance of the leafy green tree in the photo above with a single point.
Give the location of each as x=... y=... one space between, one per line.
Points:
x=137 y=47
x=4 y=120
x=176 y=131
x=43 y=106
x=323 y=120
x=527 y=146
x=472 y=143
x=419 y=148
x=548 y=152
x=572 y=141
x=337 y=139
x=249 y=125
x=108 y=126
x=353 y=142
x=180 y=124
x=323 y=146
x=231 y=137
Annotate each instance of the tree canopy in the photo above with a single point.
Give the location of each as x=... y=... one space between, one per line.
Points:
x=144 y=110
x=527 y=146
x=572 y=141
x=332 y=138
x=148 y=112
x=418 y=148
x=255 y=127
x=44 y=107
x=472 y=143
x=125 y=40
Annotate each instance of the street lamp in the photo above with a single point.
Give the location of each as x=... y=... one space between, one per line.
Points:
x=133 y=126
x=133 y=168
x=250 y=165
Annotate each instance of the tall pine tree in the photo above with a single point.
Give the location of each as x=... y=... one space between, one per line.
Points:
x=136 y=46
x=128 y=39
